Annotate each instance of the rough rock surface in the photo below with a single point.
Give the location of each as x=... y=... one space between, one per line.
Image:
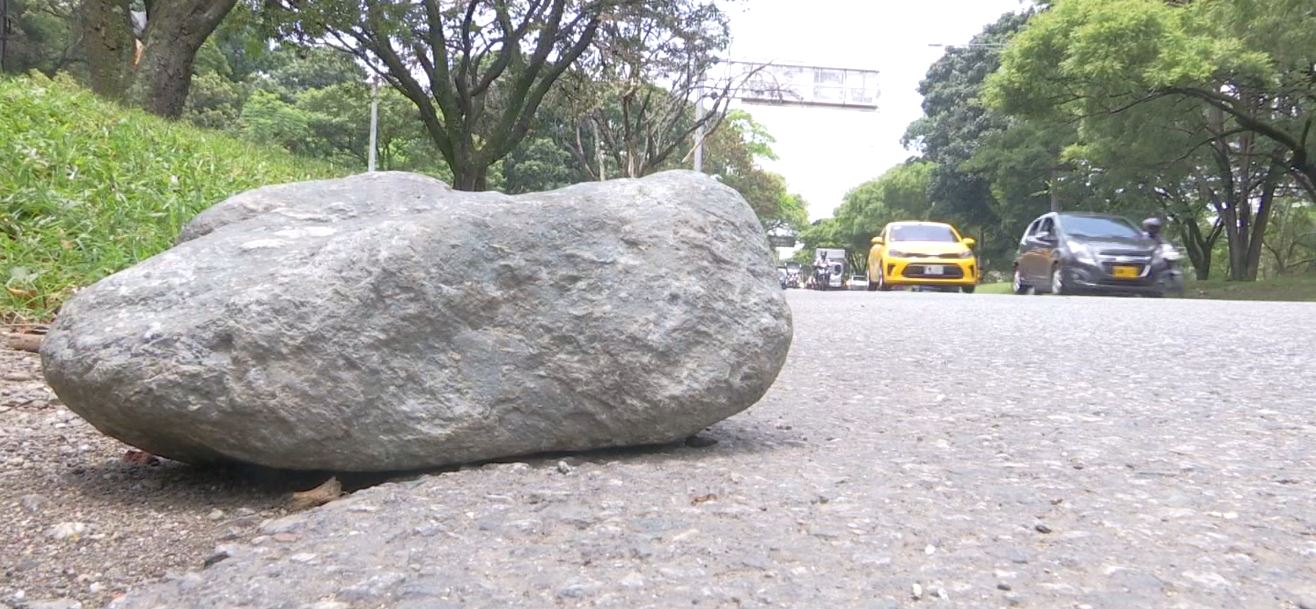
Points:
x=387 y=322
x=1109 y=466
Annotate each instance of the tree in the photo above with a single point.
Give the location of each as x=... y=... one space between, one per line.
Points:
x=989 y=170
x=732 y=154
x=1240 y=73
x=476 y=71
x=1291 y=240
x=152 y=69
x=645 y=86
x=539 y=164
x=39 y=37
x=901 y=193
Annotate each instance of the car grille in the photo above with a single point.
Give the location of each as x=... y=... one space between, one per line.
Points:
x=918 y=271
x=1112 y=258
x=1109 y=267
x=1126 y=253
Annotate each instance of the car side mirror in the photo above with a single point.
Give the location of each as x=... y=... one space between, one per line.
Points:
x=969 y=241
x=877 y=241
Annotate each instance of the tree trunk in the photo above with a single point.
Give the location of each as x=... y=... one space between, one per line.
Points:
x=1259 y=221
x=108 y=40
x=468 y=176
x=175 y=31
x=160 y=80
x=1199 y=248
x=1233 y=241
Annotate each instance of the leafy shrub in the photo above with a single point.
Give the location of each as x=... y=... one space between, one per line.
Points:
x=88 y=188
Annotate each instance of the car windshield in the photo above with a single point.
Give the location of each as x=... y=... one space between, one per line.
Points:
x=1099 y=227
x=922 y=232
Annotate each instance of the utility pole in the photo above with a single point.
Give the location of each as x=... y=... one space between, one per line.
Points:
x=699 y=135
x=598 y=150
x=1053 y=187
x=374 y=121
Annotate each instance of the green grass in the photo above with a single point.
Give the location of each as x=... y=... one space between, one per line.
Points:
x=1290 y=288
x=993 y=288
x=88 y=188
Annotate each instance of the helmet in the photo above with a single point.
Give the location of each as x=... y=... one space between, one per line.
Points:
x=1152 y=226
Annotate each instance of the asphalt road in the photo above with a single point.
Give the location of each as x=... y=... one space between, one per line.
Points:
x=918 y=449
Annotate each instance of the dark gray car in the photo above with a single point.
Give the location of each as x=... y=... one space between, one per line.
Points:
x=1070 y=253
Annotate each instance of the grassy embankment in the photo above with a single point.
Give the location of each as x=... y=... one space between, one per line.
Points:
x=1289 y=288
x=88 y=188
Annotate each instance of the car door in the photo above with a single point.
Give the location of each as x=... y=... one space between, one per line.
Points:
x=1024 y=259
x=1042 y=244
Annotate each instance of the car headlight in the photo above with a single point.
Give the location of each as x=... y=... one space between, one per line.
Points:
x=966 y=254
x=900 y=254
x=1083 y=253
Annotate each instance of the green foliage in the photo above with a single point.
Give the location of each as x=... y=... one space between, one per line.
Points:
x=268 y=119
x=732 y=154
x=899 y=194
x=214 y=102
x=88 y=188
x=538 y=164
x=41 y=36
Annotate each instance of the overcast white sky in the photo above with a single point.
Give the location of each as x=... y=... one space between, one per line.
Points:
x=826 y=152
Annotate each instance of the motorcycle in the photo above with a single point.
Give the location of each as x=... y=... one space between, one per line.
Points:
x=821 y=278
x=1172 y=278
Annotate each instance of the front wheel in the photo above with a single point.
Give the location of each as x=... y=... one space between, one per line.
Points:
x=1173 y=285
x=1058 y=286
x=881 y=279
x=968 y=289
x=1017 y=285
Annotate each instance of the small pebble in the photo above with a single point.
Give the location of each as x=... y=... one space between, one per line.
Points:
x=1041 y=528
x=32 y=503
x=67 y=530
x=563 y=467
x=215 y=514
x=916 y=591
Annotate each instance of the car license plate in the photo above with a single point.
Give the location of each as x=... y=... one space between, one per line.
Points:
x=934 y=270
x=1125 y=272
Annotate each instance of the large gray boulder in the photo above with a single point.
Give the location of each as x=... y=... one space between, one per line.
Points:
x=387 y=322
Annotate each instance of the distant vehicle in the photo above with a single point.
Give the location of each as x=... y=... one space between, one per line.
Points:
x=828 y=269
x=1072 y=253
x=858 y=282
x=792 y=274
x=927 y=254
x=781 y=276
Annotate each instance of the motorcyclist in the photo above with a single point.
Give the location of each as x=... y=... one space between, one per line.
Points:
x=820 y=279
x=1153 y=227
x=1172 y=275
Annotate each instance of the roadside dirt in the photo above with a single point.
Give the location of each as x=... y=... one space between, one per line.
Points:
x=85 y=519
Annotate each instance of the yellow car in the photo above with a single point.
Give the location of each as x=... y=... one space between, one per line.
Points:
x=928 y=254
